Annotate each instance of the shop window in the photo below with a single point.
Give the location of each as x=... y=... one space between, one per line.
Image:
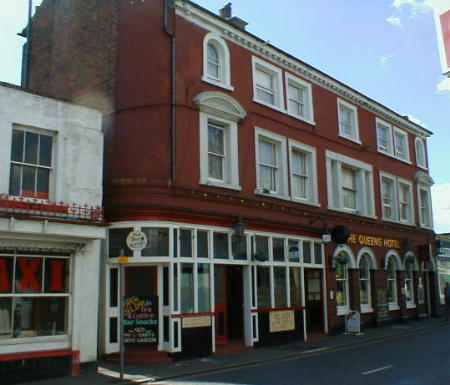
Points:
x=409 y=284
x=262 y=247
x=35 y=295
x=348 y=121
x=221 y=246
x=118 y=242
x=202 y=244
x=280 y=282
x=187 y=288
x=342 y=289
x=392 y=296
x=295 y=286
x=364 y=284
x=307 y=257
x=278 y=249
x=293 y=251
x=239 y=247
x=204 y=290
x=318 y=254
x=158 y=242
x=31 y=164
x=263 y=286
x=185 y=243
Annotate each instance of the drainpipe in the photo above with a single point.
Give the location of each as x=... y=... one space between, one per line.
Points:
x=29 y=29
x=170 y=30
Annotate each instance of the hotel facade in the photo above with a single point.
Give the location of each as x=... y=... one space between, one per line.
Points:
x=258 y=200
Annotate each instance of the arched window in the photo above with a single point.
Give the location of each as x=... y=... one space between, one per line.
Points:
x=392 y=295
x=421 y=158
x=342 y=291
x=409 y=283
x=365 y=284
x=216 y=61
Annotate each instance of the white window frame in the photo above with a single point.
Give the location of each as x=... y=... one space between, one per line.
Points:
x=344 y=309
x=311 y=155
x=354 y=109
x=224 y=80
x=365 y=193
x=389 y=151
x=397 y=181
x=411 y=304
x=405 y=135
x=299 y=83
x=394 y=304
x=277 y=73
x=281 y=145
x=366 y=307
x=231 y=161
x=423 y=224
x=423 y=165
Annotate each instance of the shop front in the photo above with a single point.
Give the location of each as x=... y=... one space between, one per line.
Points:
x=213 y=289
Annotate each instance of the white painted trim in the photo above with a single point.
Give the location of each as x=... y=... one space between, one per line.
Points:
x=354 y=109
x=221 y=46
x=424 y=187
x=347 y=249
x=371 y=254
x=289 y=78
x=398 y=260
x=397 y=130
x=379 y=122
x=221 y=105
x=420 y=141
x=349 y=161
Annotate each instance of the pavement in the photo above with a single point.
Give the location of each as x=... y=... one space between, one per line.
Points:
x=107 y=372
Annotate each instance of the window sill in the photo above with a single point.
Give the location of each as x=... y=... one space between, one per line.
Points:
x=425 y=168
x=398 y=222
x=274 y=107
x=298 y=117
x=220 y=84
x=393 y=307
x=269 y=195
x=410 y=305
x=394 y=157
x=35 y=340
x=29 y=199
x=306 y=202
x=426 y=227
x=210 y=183
x=342 y=311
x=354 y=140
x=351 y=212
x=366 y=310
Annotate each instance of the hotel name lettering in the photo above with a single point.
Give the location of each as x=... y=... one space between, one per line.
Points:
x=367 y=240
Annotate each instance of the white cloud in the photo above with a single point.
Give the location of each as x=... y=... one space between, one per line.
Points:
x=385 y=59
x=395 y=21
x=416 y=6
x=441 y=207
x=443 y=86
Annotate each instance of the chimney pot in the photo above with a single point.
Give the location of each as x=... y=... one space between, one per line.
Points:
x=226 y=11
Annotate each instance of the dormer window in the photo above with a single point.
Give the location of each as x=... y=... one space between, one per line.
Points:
x=216 y=61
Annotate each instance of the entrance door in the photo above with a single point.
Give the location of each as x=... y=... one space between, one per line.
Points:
x=229 y=300
x=314 y=304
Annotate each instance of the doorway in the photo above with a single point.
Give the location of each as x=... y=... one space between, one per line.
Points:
x=314 y=300
x=229 y=304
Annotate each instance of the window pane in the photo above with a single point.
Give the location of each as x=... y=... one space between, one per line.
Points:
x=187 y=288
x=262 y=247
x=31 y=147
x=391 y=290
x=267 y=153
x=216 y=140
x=341 y=293
x=29 y=182
x=6 y=274
x=263 y=286
x=280 y=286
x=221 y=246
x=202 y=244
x=296 y=289
x=364 y=291
x=204 y=304
x=347 y=122
x=264 y=80
x=40 y=317
x=186 y=243
x=5 y=318
x=215 y=167
x=45 y=150
x=56 y=278
x=158 y=242
x=267 y=178
x=265 y=96
x=307 y=252
x=14 y=180
x=43 y=183
x=176 y=304
x=17 y=146
x=213 y=62
x=239 y=247
x=28 y=275
x=293 y=251
x=318 y=257
x=118 y=243
x=113 y=287
x=278 y=249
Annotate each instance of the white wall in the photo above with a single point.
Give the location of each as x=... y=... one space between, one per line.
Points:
x=78 y=152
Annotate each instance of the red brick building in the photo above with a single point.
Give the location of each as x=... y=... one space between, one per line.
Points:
x=229 y=164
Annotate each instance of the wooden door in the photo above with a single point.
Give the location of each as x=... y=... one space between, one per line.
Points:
x=221 y=304
x=314 y=308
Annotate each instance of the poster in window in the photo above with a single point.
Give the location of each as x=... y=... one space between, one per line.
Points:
x=141 y=320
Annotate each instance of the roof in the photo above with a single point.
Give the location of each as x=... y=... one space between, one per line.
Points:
x=400 y=116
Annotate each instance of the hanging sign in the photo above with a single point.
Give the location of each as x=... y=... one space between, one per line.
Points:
x=137 y=240
x=282 y=321
x=141 y=320
x=196 y=322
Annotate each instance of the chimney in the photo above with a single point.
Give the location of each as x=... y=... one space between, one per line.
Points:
x=226 y=13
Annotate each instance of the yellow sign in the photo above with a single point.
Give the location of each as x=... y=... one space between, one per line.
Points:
x=282 y=321
x=196 y=322
x=123 y=260
x=367 y=240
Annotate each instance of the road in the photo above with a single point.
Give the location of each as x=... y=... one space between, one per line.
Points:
x=420 y=360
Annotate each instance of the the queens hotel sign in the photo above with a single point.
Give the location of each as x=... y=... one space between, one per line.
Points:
x=367 y=240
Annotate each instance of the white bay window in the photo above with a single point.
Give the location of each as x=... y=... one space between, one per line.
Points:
x=397 y=199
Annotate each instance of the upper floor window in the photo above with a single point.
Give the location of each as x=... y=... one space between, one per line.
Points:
x=350 y=185
x=299 y=95
x=216 y=61
x=401 y=147
x=426 y=219
x=421 y=158
x=384 y=137
x=31 y=164
x=271 y=160
x=267 y=84
x=397 y=199
x=392 y=141
x=348 y=121
x=303 y=173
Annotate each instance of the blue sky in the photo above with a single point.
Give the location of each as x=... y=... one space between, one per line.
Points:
x=386 y=49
